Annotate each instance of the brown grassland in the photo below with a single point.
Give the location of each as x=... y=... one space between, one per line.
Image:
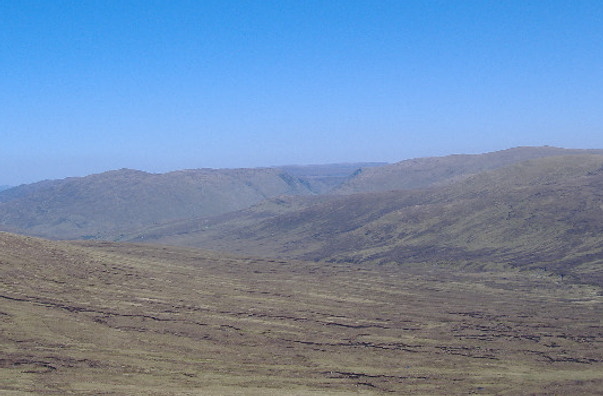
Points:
x=100 y=318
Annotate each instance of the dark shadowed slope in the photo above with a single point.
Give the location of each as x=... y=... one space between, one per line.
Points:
x=545 y=213
x=113 y=202
x=94 y=318
x=425 y=172
x=324 y=178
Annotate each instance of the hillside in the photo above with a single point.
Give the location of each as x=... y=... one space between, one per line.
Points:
x=434 y=171
x=114 y=205
x=92 y=318
x=113 y=202
x=545 y=213
x=105 y=205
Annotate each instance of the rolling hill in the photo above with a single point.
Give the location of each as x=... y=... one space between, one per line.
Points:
x=434 y=171
x=91 y=318
x=545 y=213
x=495 y=210
x=105 y=205
x=113 y=202
x=486 y=281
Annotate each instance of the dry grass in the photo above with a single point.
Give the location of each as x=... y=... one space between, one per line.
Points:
x=119 y=319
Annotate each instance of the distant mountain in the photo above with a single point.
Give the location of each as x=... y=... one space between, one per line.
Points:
x=25 y=189
x=324 y=178
x=112 y=202
x=494 y=209
x=2 y=188
x=433 y=171
x=544 y=213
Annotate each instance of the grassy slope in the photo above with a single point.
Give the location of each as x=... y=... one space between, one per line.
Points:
x=545 y=213
x=434 y=171
x=119 y=319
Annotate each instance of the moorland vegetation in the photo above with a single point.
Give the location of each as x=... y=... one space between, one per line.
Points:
x=465 y=274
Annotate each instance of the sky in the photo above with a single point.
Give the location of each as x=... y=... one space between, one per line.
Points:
x=88 y=86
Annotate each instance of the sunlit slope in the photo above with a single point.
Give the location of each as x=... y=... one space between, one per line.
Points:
x=434 y=171
x=92 y=318
x=545 y=213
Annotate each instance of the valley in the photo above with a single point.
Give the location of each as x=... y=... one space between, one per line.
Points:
x=465 y=274
x=543 y=214
x=301 y=198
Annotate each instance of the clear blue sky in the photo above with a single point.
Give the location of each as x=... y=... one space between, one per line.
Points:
x=88 y=86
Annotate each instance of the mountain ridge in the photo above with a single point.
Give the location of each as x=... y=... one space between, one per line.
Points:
x=457 y=215
x=114 y=201
x=544 y=213
x=434 y=171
